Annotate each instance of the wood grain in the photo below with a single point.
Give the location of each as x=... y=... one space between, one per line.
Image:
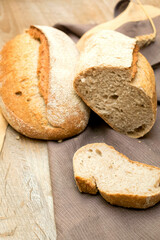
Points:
x=3 y=128
x=26 y=203
x=17 y=15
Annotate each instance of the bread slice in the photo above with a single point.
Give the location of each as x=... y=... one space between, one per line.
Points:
x=117 y=82
x=37 y=97
x=120 y=181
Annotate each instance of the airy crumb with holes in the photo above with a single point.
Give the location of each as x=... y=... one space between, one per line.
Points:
x=117 y=83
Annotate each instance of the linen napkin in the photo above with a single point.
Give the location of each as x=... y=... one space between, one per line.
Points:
x=83 y=216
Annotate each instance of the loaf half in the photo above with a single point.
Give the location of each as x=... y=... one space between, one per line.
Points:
x=117 y=82
x=120 y=181
x=37 y=97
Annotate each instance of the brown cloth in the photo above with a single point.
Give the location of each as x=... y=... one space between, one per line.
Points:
x=120 y=7
x=86 y=217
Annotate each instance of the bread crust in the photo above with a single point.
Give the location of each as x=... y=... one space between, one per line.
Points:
x=143 y=82
x=87 y=185
x=46 y=108
x=131 y=201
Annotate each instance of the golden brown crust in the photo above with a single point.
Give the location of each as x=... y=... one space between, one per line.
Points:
x=26 y=101
x=124 y=200
x=15 y=83
x=86 y=185
x=147 y=85
x=131 y=201
x=134 y=62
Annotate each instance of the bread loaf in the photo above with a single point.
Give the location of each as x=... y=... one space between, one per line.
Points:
x=36 y=85
x=117 y=82
x=120 y=181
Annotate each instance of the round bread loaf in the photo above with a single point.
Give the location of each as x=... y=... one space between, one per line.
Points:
x=37 y=98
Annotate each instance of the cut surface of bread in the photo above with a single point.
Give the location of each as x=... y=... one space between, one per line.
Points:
x=120 y=181
x=37 y=97
x=118 y=83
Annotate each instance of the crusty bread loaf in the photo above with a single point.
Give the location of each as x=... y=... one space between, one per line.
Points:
x=117 y=82
x=36 y=85
x=120 y=181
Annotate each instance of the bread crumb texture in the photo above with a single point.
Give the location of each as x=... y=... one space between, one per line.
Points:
x=36 y=85
x=120 y=181
x=118 y=83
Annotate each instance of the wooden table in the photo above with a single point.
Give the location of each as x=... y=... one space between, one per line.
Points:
x=26 y=202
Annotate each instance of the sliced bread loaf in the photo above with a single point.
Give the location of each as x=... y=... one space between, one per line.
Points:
x=37 y=97
x=117 y=82
x=120 y=181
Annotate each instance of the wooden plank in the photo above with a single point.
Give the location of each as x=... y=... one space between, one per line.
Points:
x=24 y=210
x=3 y=128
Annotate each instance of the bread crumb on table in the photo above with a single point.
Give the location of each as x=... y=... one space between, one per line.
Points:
x=59 y=141
x=18 y=137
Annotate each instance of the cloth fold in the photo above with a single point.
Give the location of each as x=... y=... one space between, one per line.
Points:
x=83 y=216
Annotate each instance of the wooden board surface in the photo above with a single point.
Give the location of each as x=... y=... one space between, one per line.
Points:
x=26 y=203
x=26 y=206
